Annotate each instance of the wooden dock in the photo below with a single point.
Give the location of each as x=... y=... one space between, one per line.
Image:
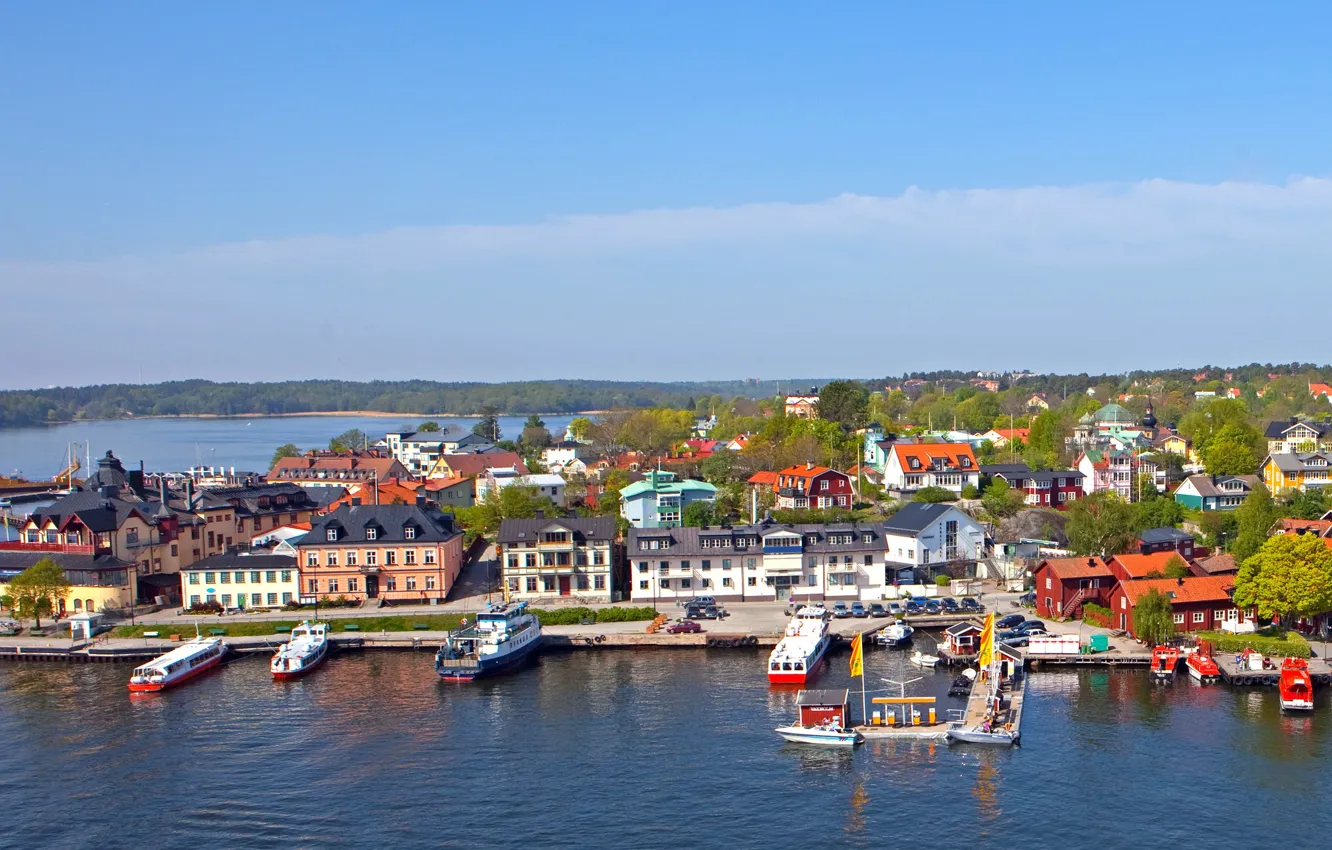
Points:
x=1097 y=659
x=1233 y=674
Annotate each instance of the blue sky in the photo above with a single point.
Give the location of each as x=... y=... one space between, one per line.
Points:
x=509 y=190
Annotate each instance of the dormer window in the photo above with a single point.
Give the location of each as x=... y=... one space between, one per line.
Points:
x=409 y=532
x=371 y=533
x=331 y=534
x=965 y=462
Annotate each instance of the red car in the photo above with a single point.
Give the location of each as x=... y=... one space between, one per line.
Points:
x=684 y=627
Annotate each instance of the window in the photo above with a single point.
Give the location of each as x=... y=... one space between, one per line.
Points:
x=1199 y=616
x=598 y=582
x=194 y=601
x=210 y=578
x=332 y=558
x=270 y=576
x=686 y=583
x=430 y=582
x=174 y=550
x=707 y=565
x=371 y=533
x=752 y=581
x=869 y=560
x=390 y=557
x=726 y=563
x=254 y=578
x=548 y=584
x=684 y=565
x=531 y=584
x=286 y=599
x=707 y=582
x=332 y=585
x=391 y=583
x=1047 y=582
x=750 y=562
x=409 y=532
x=531 y=559
x=411 y=582
x=272 y=599
x=225 y=578
x=665 y=583
x=312 y=559
x=256 y=599
x=331 y=535
x=353 y=585
x=429 y=556
x=371 y=558
x=313 y=585
x=598 y=557
x=834 y=579
x=1179 y=619
x=194 y=578
x=513 y=562
x=813 y=562
x=409 y=557
x=286 y=576
x=726 y=582
x=351 y=557
x=643 y=585
x=581 y=582
x=813 y=581
x=226 y=599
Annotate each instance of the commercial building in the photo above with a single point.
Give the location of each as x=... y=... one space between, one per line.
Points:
x=240 y=581
x=555 y=557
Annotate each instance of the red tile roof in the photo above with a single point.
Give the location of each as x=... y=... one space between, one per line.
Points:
x=474 y=464
x=1068 y=568
x=1318 y=526
x=765 y=478
x=1138 y=566
x=926 y=453
x=1181 y=590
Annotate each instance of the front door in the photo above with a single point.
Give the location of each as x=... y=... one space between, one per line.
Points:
x=371 y=587
x=564 y=585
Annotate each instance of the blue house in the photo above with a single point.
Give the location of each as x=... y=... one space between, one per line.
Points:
x=659 y=500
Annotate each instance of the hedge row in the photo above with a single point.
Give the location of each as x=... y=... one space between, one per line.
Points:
x=1292 y=644
x=574 y=616
x=1097 y=615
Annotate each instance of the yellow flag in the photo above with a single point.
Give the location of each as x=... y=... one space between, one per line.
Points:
x=987 y=642
x=857 y=655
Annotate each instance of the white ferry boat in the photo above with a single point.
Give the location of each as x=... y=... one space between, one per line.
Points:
x=503 y=637
x=796 y=657
x=306 y=650
x=180 y=664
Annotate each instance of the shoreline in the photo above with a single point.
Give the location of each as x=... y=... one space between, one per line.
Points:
x=375 y=414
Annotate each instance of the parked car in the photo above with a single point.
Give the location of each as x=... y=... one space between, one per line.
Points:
x=1029 y=624
x=914 y=607
x=1009 y=622
x=858 y=610
x=684 y=627
x=876 y=609
x=1015 y=640
x=1028 y=599
x=896 y=609
x=932 y=606
x=704 y=612
x=950 y=605
x=700 y=601
x=840 y=610
x=919 y=600
x=970 y=604
x=1031 y=633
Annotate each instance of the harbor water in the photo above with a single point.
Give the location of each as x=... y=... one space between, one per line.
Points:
x=634 y=749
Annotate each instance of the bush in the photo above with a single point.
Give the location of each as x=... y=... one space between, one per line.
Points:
x=625 y=615
x=1291 y=644
x=205 y=608
x=933 y=495
x=943 y=581
x=1097 y=615
x=970 y=492
x=574 y=616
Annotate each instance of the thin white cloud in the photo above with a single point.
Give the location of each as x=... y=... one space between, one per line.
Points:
x=1209 y=252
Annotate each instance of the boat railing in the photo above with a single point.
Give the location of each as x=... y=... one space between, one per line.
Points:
x=456 y=662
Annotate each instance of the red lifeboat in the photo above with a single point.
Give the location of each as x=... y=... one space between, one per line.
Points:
x=1296 y=685
x=1203 y=668
x=1165 y=660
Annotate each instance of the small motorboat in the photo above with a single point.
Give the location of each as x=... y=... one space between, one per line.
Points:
x=1203 y=668
x=961 y=684
x=897 y=634
x=920 y=659
x=1295 y=685
x=828 y=734
x=1165 y=661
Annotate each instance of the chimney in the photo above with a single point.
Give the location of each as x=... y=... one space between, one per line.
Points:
x=1091 y=562
x=1180 y=581
x=420 y=499
x=356 y=501
x=540 y=514
x=809 y=464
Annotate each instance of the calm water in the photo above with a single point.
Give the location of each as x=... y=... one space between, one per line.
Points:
x=177 y=444
x=630 y=750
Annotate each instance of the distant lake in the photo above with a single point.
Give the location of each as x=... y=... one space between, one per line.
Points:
x=176 y=444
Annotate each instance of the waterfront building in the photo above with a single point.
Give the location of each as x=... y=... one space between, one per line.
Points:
x=1064 y=585
x=237 y=580
x=417 y=451
x=336 y=469
x=915 y=466
x=569 y=556
x=1167 y=539
x=399 y=553
x=1215 y=492
x=257 y=507
x=566 y=456
x=659 y=500
x=764 y=562
x=1198 y=603
x=98 y=582
x=924 y=540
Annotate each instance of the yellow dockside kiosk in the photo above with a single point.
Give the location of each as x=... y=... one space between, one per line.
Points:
x=909 y=715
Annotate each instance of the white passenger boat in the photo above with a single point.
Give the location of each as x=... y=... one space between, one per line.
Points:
x=304 y=651
x=179 y=665
x=503 y=637
x=897 y=634
x=796 y=657
x=829 y=735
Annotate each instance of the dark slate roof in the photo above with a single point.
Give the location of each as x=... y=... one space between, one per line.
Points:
x=915 y=517
x=322 y=497
x=246 y=499
x=1277 y=430
x=14 y=561
x=109 y=473
x=94 y=510
x=825 y=696
x=1164 y=535
x=583 y=528
x=993 y=469
x=351 y=522
x=237 y=561
x=1051 y=474
x=687 y=542
x=470 y=440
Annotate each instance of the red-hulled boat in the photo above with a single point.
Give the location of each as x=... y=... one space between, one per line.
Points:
x=1296 y=686
x=1165 y=660
x=179 y=665
x=796 y=658
x=1203 y=668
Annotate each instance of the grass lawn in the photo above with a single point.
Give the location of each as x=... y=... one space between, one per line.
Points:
x=252 y=628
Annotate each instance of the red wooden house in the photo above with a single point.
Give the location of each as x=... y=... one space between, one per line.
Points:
x=1063 y=585
x=1133 y=566
x=1199 y=603
x=1048 y=488
x=821 y=706
x=808 y=486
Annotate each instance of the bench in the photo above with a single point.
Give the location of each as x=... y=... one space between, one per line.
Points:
x=150 y=634
x=217 y=632
x=351 y=627
x=421 y=627
x=282 y=630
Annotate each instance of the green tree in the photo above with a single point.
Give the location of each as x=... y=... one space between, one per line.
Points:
x=697 y=514
x=534 y=436
x=1309 y=503
x=580 y=428
x=1002 y=501
x=429 y=426
x=1157 y=513
x=845 y=402
x=1101 y=524
x=284 y=450
x=488 y=427
x=1153 y=618
x=931 y=495
x=348 y=441
x=38 y=590
x=1231 y=451
x=719 y=467
x=1290 y=575
x=1176 y=568
x=1254 y=518
x=1208 y=419
x=970 y=492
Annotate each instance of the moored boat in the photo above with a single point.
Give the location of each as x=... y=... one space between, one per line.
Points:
x=920 y=659
x=1165 y=661
x=896 y=634
x=179 y=665
x=797 y=656
x=1203 y=668
x=828 y=734
x=1295 y=685
x=502 y=638
x=304 y=651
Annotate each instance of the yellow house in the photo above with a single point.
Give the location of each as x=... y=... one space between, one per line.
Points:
x=1294 y=471
x=1175 y=444
x=98 y=582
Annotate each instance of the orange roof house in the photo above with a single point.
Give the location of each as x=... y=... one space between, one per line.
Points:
x=335 y=469
x=388 y=492
x=1320 y=390
x=1199 y=603
x=914 y=466
x=1130 y=567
